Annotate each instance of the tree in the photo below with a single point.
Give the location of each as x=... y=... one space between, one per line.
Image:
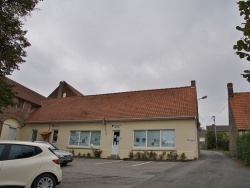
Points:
x=6 y=94
x=222 y=142
x=12 y=42
x=243 y=45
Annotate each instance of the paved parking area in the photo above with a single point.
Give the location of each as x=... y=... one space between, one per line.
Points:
x=110 y=173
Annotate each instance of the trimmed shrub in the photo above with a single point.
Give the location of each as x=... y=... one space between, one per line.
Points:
x=243 y=147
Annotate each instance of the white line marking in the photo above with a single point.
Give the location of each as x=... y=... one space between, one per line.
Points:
x=142 y=163
x=108 y=162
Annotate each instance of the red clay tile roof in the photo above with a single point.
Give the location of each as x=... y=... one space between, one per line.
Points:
x=159 y=103
x=240 y=106
x=26 y=93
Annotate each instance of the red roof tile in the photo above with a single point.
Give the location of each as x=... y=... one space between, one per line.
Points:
x=26 y=93
x=240 y=106
x=159 y=103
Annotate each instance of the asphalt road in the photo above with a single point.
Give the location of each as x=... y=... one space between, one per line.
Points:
x=211 y=170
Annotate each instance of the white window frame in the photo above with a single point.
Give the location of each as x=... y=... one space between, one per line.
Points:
x=78 y=137
x=146 y=141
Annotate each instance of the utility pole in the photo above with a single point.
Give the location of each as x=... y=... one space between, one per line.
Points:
x=215 y=133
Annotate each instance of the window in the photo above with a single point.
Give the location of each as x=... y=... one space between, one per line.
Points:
x=95 y=138
x=154 y=138
x=23 y=151
x=140 y=138
x=168 y=138
x=1 y=150
x=85 y=138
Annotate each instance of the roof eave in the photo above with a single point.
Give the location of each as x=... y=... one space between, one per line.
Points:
x=111 y=120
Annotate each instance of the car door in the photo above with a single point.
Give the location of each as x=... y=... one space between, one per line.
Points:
x=20 y=165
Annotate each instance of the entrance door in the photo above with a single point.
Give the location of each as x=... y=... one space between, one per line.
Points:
x=12 y=134
x=54 y=137
x=115 y=143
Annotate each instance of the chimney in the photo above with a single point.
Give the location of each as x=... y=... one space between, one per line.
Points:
x=230 y=90
x=60 y=89
x=193 y=84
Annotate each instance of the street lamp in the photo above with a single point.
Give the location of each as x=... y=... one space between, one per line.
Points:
x=204 y=97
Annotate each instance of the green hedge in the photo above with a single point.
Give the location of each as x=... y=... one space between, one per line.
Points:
x=243 y=147
x=222 y=140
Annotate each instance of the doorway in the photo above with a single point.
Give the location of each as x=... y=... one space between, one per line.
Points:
x=115 y=143
x=12 y=133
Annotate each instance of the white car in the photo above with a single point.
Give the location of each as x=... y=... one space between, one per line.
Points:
x=28 y=164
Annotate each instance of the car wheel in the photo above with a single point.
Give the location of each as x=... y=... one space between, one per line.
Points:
x=44 y=180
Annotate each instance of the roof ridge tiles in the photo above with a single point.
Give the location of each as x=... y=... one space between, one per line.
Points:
x=134 y=91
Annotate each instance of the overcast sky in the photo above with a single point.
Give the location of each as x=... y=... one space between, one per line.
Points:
x=106 y=46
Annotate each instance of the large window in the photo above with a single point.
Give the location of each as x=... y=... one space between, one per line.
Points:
x=154 y=138
x=85 y=138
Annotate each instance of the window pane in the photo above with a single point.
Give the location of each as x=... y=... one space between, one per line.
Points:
x=140 y=138
x=84 y=138
x=73 y=140
x=1 y=149
x=168 y=138
x=21 y=151
x=153 y=139
x=95 y=138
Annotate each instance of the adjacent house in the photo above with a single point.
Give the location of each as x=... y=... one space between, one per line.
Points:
x=64 y=90
x=218 y=128
x=12 y=118
x=160 y=120
x=239 y=116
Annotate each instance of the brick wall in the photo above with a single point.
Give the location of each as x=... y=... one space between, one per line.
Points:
x=16 y=113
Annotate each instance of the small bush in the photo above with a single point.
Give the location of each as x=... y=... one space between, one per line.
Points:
x=173 y=156
x=88 y=155
x=138 y=155
x=131 y=155
x=144 y=155
x=152 y=155
x=162 y=156
x=183 y=157
x=97 y=153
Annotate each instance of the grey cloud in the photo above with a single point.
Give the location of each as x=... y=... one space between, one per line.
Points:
x=106 y=46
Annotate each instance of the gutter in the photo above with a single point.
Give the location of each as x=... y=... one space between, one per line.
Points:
x=109 y=120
